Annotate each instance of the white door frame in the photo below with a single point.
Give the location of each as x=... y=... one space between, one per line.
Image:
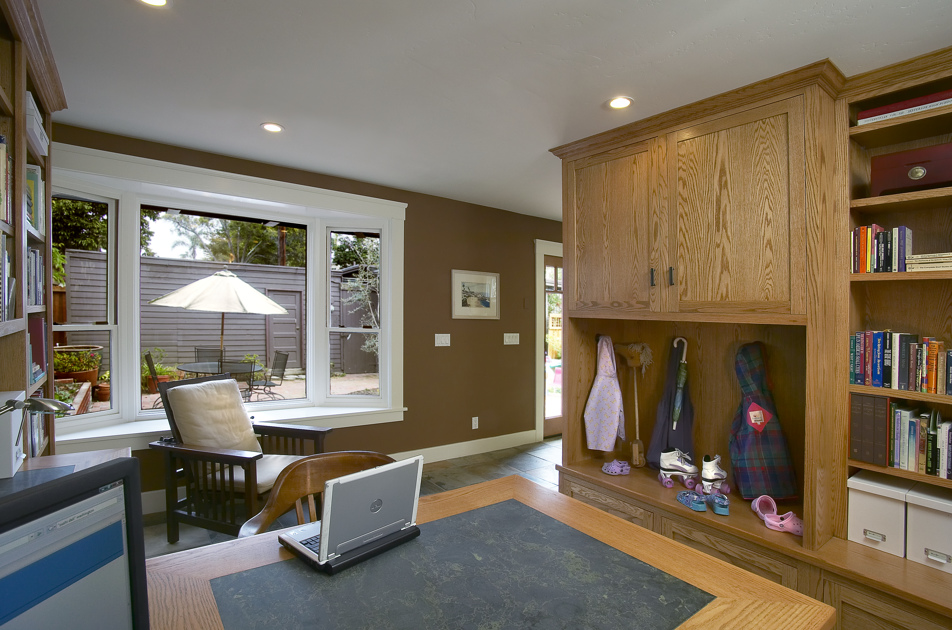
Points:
x=542 y=249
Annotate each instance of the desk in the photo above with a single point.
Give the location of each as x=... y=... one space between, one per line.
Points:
x=37 y=470
x=180 y=594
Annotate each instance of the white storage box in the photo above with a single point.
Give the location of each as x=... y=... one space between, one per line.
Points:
x=877 y=511
x=11 y=444
x=928 y=525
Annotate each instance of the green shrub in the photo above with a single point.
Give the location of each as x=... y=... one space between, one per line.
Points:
x=76 y=361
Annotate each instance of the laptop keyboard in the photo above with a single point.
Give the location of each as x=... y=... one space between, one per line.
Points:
x=313 y=543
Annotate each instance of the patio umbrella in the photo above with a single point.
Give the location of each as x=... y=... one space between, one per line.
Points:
x=222 y=292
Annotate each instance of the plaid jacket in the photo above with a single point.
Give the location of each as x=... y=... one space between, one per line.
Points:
x=759 y=455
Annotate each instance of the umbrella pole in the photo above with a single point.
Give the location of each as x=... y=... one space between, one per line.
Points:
x=222 y=339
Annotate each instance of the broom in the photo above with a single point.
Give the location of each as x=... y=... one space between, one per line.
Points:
x=636 y=355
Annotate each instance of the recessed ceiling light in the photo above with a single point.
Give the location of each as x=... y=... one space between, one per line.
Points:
x=272 y=127
x=619 y=102
x=156 y=3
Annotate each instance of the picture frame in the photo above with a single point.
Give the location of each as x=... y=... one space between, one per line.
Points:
x=475 y=295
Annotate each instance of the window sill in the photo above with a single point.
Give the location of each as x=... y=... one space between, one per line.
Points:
x=137 y=435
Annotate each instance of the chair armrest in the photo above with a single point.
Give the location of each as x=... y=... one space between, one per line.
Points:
x=219 y=455
x=291 y=439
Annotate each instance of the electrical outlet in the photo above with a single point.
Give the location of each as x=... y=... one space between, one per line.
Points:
x=442 y=339
x=510 y=339
x=475 y=422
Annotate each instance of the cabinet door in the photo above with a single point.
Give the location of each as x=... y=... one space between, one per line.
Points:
x=608 y=501
x=616 y=218
x=737 y=217
x=863 y=608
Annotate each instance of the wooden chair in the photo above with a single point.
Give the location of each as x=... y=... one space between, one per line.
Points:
x=275 y=378
x=305 y=479
x=225 y=477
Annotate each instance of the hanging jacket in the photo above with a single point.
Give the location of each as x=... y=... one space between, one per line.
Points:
x=759 y=454
x=604 y=416
x=664 y=436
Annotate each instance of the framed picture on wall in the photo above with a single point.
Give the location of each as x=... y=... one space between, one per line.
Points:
x=475 y=295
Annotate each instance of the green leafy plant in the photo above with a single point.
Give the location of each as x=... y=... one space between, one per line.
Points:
x=253 y=358
x=104 y=377
x=76 y=361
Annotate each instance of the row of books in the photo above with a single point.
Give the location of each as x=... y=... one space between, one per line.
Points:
x=35 y=277
x=38 y=433
x=876 y=249
x=8 y=281
x=904 y=108
x=37 y=332
x=6 y=181
x=886 y=433
x=35 y=196
x=902 y=361
x=929 y=262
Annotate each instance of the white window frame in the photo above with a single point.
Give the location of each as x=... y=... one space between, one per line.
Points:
x=137 y=181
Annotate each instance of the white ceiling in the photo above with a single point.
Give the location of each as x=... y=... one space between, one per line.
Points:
x=455 y=98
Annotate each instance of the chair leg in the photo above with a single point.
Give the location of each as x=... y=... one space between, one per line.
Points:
x=171 y=498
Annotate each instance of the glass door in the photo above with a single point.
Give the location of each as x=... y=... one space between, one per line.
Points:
x=553 y=423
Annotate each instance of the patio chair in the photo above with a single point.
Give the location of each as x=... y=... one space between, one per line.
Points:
x=305 y=478
x=275 y=378
x=209 y=355
x=215 y=448
x=157 y=403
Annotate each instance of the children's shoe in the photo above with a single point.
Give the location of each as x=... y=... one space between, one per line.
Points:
x=713 y=477
x=616 y=467
x=720 y=504
x=764 y=505
x=674 y=463
x=694 y=500
x=788 y=522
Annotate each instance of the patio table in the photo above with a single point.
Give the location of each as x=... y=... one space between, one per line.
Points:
x=213 y=367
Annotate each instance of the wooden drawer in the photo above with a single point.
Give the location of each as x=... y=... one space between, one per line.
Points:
x=774 y=567
x=862 y=608
x=607 y=501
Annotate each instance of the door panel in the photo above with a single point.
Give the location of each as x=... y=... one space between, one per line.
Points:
x=285 y=331
x=739 y=199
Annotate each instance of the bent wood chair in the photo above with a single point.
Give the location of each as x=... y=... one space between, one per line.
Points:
x=215 y=450
x=303 y=480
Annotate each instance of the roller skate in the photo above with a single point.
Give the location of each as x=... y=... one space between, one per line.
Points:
x=674 y=463
x=713 y=477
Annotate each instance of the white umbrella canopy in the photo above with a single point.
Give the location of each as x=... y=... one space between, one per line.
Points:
x=222 y=292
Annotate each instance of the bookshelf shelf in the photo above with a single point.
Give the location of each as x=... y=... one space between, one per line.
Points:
x=905 y=474
x=901 y=276
x=34 y=387
x=33 y=233
x=11 y=327
x=904 y=129
x=36 y=309
x=939 y=399
x=6 y=228
x=903 y=202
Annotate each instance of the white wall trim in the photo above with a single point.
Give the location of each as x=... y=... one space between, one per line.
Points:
x=542 y=249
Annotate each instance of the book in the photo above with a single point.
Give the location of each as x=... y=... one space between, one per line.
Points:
x=855 y=243
x=860 y=353
x=913 y=362
x=942 y=439
x=876 y=380
x=905 y=414
x=904 y=108
x=887 y=358
x=4 y=209
x=921 y=435
x=904 y=246
x=902 y=369
x=868 y=357
x=856 y=426
x=893 y=448
x=880 y=435
x=940 y=368
x=868 y=429
x=852 y=359
x=932 y=366
x=912 y=445
x=948 y=372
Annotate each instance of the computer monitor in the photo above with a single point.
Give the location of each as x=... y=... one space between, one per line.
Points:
x=72 y=552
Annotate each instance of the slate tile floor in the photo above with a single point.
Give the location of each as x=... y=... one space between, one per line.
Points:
x=535 y=462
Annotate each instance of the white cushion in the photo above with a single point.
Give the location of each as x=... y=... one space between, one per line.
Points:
x=213 y=414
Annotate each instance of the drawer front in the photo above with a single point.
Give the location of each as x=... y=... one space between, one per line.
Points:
x=782 y=571
x=862 y=608
x=608 y=502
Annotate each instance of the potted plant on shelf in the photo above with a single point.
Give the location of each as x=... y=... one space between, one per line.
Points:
x=80 y=363
x=103 y=389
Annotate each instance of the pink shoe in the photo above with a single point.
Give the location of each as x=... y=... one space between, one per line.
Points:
x=764 y=505
x=788 y=522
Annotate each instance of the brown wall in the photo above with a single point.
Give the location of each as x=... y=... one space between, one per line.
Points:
x=443 y=387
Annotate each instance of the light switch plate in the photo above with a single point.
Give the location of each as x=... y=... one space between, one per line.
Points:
x=510 y=339
x=442 y=339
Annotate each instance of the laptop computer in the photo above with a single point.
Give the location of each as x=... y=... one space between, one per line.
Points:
x=364 y=513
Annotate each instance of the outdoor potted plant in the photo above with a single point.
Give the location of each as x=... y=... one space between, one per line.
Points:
x=103 y=389
x=80 y=363
x=164 y=373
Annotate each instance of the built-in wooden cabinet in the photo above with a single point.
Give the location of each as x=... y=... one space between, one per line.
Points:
x=740 y=207
x=26 y=69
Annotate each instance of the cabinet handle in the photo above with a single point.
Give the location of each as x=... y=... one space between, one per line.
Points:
x=938 y=556
x=671 y=276
x=868 y=533
x=652 y=276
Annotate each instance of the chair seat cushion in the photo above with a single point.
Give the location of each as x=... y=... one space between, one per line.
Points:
x=213 y=414
x=267 y=469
